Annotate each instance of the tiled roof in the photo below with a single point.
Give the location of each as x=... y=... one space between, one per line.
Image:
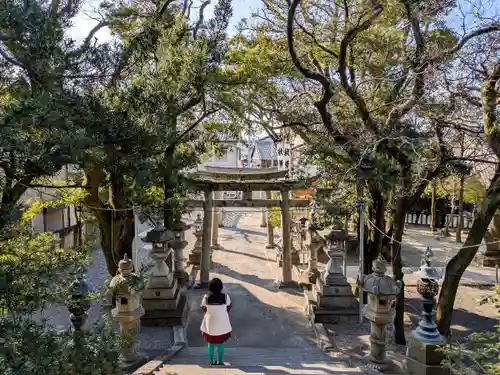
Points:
x=265 y=148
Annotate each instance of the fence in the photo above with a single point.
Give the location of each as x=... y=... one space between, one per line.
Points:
x=426 y=220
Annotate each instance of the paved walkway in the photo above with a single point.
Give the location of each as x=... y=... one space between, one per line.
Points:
x=262 y=315
x=271 y=333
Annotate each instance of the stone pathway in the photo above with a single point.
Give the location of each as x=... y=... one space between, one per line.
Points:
x=262 y=315
x=271 y=333
x=244 y=360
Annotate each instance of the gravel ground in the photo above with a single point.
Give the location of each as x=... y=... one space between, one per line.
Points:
x=355 y=339
x=150 y=339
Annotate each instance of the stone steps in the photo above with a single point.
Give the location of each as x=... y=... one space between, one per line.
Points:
x=246 y=360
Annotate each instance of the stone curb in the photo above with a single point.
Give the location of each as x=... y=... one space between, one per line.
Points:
x=154 y=365
x=322 y=338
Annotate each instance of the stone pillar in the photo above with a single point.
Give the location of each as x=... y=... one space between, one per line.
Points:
x=263 y=214
x=195 y=254
x=286 y=276
x=270 y=230
x=492 y=253
x=178 y=244
x=125 y=287
x=314 y=243
x=206 y=260
x=424 y=344
x=215 y=222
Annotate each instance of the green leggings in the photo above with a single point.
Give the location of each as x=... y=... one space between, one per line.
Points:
x=220 y=353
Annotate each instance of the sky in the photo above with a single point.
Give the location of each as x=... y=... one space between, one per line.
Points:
x=83 y=23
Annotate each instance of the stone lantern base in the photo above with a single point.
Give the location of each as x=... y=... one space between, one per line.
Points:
x=332 y=301
x=165 y=306
x=424 y=358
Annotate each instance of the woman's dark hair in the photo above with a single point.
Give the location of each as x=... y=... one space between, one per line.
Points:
x=215 y=286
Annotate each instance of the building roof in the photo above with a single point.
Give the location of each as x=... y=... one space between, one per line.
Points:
x=265 y=149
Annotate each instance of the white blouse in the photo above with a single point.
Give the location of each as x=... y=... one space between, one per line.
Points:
x=216 y=318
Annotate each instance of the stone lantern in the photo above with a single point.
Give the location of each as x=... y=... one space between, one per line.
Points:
x=423 y=354
x=126 y=288
x=195 y=253
x=78 y=304
x=331 y=299
x=162 y=296
x=380 y=310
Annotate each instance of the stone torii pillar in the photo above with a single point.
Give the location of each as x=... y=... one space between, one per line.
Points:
x=270 y=230
x=286 y=276
x=215 y=222
x=208 y=206
x=263 y=214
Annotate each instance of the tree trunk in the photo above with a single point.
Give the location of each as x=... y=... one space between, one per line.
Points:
x=433 y=206
x=11 y=194
x=458 y=237
x=372 y=250
x=459 y=263
x=169 y=185
x=116 y=223
x=117 y=236
x=397 y=267
x=377 y=217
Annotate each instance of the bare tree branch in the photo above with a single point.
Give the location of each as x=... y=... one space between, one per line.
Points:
x=351 y=34
x=463 y=42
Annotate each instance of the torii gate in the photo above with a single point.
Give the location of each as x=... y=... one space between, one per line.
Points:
x=247 y=180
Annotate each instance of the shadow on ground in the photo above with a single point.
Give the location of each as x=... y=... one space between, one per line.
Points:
x=274 y=370
x=223 y=249
x=463 y=322
x=255 y=323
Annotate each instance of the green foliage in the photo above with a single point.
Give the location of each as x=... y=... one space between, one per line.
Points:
x=35 y=273
x=34 y=348
x=474 y=190
x=274 y=217
x=480 y=351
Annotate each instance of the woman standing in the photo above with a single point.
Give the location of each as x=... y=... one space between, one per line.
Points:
x=216 y=326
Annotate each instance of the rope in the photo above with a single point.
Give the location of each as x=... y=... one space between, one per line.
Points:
x=401 y=243
x=161 y=208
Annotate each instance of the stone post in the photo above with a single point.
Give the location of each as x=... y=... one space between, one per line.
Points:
x=126 y=287
x=313 y=243
x=423 y=354
x=380 y=310
x=263 y=214
x=178 y=244
x=270 y=230
x=286 y=278
x=492 y=253
x=207 y=232
x=195 y=253
x=215 y=222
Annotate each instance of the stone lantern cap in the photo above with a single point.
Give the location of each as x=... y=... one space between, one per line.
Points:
x=126 y=281
x=180 y=226
x=336 y=235
x=378 y=283
x=426 y=271
x=80 y=287
x=157 y=235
